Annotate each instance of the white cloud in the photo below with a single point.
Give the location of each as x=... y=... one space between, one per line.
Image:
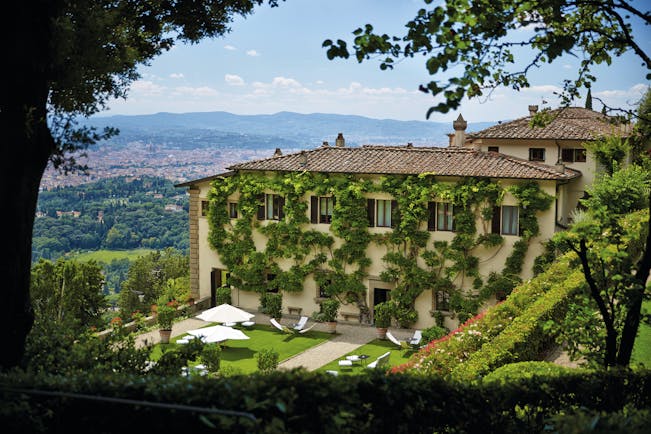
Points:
x=229 y=47
x=634 y=91
x=202 y=91
x=544 y=88
x=233 y=80
x=147 y=88
x=285 y=82
x=567 y=66
x=252 y=53
x=320 y=82
x=177 y=75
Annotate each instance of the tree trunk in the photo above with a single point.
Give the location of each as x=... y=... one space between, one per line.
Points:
x=26 y=148
x=632 y=321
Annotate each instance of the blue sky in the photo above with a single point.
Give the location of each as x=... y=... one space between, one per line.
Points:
x=273 y=61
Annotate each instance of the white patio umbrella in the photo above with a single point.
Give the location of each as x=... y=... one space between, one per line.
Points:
x=225 y=313
x=218 y=334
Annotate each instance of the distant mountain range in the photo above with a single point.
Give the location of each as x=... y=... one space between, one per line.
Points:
x=284 y=130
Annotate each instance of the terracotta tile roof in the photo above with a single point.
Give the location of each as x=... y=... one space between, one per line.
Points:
x=571 y=123
x=408 y=161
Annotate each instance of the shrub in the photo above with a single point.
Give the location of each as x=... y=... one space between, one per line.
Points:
x=283 y=402
x=329 y=310
x=211 y=356
x=546 y=295
x=165 y=315
x=526 y=370
x=405 y=316
x=272 y=304
x=433 y=333
x=223 y=295
x=382 y=316
x=267 y=360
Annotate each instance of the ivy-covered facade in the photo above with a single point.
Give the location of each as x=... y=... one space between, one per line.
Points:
x=437 y=233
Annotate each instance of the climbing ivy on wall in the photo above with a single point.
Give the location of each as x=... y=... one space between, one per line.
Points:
x=412 y=262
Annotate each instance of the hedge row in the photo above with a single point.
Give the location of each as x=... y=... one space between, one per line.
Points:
x=444 y=355
x=524 y=339
x=309 y=402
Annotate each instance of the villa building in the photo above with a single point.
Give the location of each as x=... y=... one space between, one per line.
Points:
x=392 y=218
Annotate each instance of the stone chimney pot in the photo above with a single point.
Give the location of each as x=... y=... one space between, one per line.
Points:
x=340 y=142
x=459 y=126
x=533 y=109
x=278 y=152
x=325 y=145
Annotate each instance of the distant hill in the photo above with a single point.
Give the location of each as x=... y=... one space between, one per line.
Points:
x=284 y=129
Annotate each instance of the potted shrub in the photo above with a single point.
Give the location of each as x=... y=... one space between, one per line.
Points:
x=328 y=314
x=272 y=305
x=165 y=317
x=382 y=319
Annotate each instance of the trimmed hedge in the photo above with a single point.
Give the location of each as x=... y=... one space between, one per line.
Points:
x=526 y=304
x=523 y=339
x=310 y=402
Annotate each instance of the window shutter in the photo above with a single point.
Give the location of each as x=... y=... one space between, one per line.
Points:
x=281 y=208
x=520 y=227
x=370 y=210
x=261 y=212
x=431 y=216
x=495 y=221
x=314 y=210
x=395 y=214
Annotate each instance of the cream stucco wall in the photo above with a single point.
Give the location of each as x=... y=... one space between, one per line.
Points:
x=573 y=190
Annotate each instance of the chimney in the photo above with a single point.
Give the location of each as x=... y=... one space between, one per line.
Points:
x=340 y=142
x=325 y=145
x=303 y=159
x=459 y=126
x=410 y=145
x=278 y=152
x=533 y=109
x=560 y=167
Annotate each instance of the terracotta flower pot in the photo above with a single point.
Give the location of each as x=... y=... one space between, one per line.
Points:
x=331 y=326
x=381 y=332
x=165 y=336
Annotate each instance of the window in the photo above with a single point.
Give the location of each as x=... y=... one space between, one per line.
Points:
x=536 y=154
x=270 y=207
x=444 y=216
x=321 y=208
x=322 y=289
x=232 y=210
x=493 y=149
x=204 y=208
x=576 y=155
x=271 y=285
x=441 y=300
x=382 y=213
x=510 y=216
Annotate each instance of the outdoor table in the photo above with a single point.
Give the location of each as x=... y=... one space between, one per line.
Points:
x=363 y=357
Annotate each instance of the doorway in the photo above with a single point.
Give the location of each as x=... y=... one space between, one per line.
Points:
x=215 y=282
x=380 y=295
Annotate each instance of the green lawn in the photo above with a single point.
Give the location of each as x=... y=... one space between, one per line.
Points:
x=107 y=256
x=642 y=349
x=240 y=355
x=373 y=349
